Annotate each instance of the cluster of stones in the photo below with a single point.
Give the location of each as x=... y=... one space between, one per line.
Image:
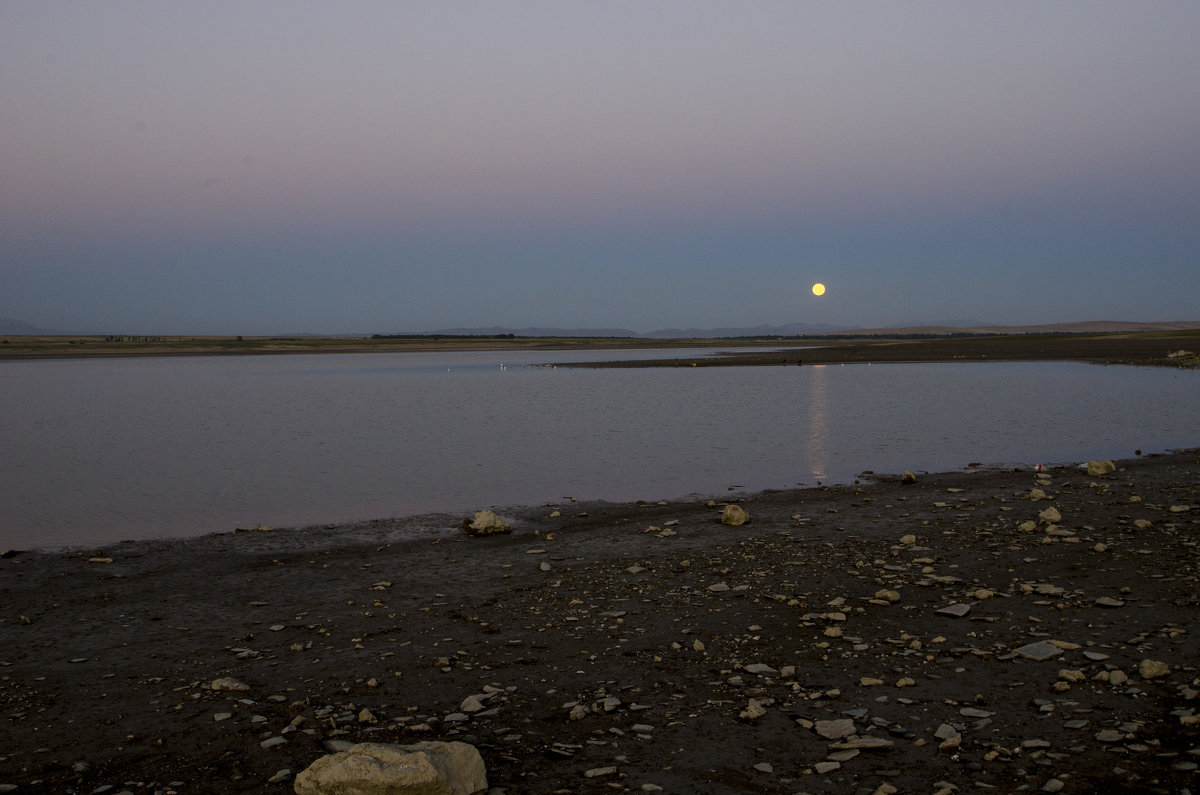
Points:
x=998 y=640
x=1083 y=678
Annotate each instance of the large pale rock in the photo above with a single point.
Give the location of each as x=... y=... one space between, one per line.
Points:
x=1100 y=468
x=431 y=768
x=734 y=515
x=753 y=710
x=1050 y=516
x=229 y=684
x=1153 y=669
x=486 y=523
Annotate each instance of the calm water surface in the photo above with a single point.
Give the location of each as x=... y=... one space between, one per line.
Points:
x=101 y=450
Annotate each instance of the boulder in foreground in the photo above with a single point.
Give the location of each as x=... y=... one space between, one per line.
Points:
x=1100 y=468
x=486 y=523
x=430 y=768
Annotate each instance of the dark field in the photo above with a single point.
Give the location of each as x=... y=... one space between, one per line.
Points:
x=1148 y=348
x=1152 y=347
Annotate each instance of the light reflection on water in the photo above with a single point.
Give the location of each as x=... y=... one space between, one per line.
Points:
x=97 y=451
x=818 y=451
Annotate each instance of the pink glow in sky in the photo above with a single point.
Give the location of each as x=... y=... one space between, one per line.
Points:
x=285 y=166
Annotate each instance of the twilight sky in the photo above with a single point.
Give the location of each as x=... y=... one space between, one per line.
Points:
x=281 y=166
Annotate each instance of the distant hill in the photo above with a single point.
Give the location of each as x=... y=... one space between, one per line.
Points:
x=1079 y=327
x=787 y=330
x=492 y=331
x=13 y=328
x=815 y=329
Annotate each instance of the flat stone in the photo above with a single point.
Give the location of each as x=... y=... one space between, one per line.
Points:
x=1108 y=601
x=945 y=732
x=866 y=744
x=834 y=729
x=956 y=610
x=1042 y=650
x=759 y=668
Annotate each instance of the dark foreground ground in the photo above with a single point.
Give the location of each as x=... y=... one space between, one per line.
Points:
x=643 y=646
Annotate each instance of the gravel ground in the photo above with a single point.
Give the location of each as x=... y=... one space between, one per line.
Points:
x=948 y=635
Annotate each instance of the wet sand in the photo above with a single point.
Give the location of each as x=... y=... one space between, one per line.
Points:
x=623 y=647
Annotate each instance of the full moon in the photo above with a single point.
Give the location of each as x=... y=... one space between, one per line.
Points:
x=818 y=289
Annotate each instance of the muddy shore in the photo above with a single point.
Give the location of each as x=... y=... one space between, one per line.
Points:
x=945 y=635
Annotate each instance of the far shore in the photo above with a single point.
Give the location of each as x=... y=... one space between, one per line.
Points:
x=81 y=347
x=1175 y=348
x=1157 y=348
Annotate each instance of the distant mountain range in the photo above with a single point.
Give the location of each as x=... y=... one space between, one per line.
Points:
x=790 y=329
x=815 y=329
x=1079 y=327
x=14 y=327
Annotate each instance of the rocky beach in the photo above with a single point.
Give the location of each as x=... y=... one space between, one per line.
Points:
x=984 y=630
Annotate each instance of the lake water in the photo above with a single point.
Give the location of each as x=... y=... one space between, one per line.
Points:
x=96 y=451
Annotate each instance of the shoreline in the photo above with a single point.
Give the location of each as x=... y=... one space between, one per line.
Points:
x=447 y=522
x=1154 y=348
x=42 y=349
x=618 y=645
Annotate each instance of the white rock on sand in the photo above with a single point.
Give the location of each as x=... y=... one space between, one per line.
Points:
x=486 y=523
x=430 y=768
x=734 y=515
